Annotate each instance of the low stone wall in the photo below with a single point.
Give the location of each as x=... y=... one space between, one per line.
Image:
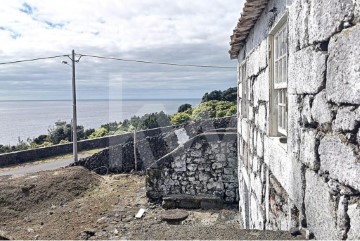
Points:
x=206 y=164
x=189 y=129
x=149 y=148
x=19 y=157
x=121 y=158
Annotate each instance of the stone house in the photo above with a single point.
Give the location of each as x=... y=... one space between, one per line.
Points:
x=299 y=115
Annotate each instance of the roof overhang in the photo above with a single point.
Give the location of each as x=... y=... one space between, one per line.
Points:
x=250 y=14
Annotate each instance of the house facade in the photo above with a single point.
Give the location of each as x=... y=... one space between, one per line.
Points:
x=299 y=115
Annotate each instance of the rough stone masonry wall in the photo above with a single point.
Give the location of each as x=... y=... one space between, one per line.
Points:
x=313 y=180
x=151 y=145
x=206 y=164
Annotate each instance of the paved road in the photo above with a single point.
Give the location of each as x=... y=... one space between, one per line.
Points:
x=39 y=166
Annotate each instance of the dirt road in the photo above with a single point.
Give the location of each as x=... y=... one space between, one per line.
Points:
x=73 y=203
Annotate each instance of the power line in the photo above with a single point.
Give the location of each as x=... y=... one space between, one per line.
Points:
x=159 y=63
x=121 y=59
x=31 y=60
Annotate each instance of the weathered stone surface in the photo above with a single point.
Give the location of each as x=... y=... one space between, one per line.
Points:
x=340 y=161
x=308 y=151
x=343 y=73
x=354 y=215
x=307 y=67
x=346 y=118
x=261 y=87
x=319 y=208
x=320 y=110
x=261 y=121
x=356 y=11
x=205 y=175
x=298 y=25
x=326 y=18
x=306 y=110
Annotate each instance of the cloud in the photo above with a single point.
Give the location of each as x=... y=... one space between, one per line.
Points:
x=187 y=32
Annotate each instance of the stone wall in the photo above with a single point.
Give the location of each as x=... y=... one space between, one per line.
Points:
x=311 y=181
x=206 y=164
x=149 y=148
x=182 y=131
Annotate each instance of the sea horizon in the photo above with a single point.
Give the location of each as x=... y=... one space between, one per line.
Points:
x=30 y=118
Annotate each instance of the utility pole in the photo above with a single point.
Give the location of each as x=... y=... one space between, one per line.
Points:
x=74 y=122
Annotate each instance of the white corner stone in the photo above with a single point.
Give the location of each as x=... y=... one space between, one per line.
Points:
x=340 y=161
x=307 y=150
x=320 y=110
x=261 y=120
x=319 y=208
x=343 y=73
x=307 y=69
x=298 y=25
x=354 y=216
x=326 y=18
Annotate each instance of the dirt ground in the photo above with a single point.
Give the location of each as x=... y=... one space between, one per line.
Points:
x=73 y=203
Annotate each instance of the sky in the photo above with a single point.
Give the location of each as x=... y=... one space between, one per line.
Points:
x=184 y=32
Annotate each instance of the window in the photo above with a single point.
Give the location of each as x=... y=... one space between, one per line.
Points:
x=244 y=90
x=279 y=71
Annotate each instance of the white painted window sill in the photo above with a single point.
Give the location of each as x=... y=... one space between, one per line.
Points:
x=277 y=141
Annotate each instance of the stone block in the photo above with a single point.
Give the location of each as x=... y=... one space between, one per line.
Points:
x=257 y=59
x=179 y=165
x=308 y=149
x=343 y=72
x=298 y=25
x=288 y=171
x=340 y=161
x=293 y=137
x=307 y=69
x=346 y=119
x=245 y=130
x=319 y=208
x=306 y=110
x=191 y=167
x=260 y=145
x=354 y=216
x=261 y=121
x=327 y=17
x=220 y=158
x=356 y=11
x=320 y=110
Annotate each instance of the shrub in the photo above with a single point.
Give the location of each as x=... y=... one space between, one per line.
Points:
x=180 y=118
x=184 y=107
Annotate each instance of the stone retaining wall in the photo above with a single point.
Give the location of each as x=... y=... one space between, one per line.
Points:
x=206 y=164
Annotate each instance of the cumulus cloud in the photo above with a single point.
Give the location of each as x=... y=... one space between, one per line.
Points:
x=187 y=32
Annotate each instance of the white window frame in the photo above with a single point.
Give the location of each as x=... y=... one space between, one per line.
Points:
x=278 y=55
x=244 y=89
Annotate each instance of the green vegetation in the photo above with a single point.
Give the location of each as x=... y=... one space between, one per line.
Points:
x=226 y=95
x=214 y=104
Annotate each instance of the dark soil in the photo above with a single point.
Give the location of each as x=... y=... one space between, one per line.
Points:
x=73 y=203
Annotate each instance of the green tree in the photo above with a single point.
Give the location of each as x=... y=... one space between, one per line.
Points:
x=180 y=118
x=211 y=109
x=184 y=107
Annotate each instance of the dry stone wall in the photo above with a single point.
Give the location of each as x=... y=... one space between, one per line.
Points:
x=151 y=145
x=206 y=164
x=311 y=181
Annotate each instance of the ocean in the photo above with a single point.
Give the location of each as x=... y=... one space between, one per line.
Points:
x=29 y=119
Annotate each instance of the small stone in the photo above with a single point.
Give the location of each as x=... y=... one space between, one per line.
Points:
x=174 y=215
x=295 y=231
